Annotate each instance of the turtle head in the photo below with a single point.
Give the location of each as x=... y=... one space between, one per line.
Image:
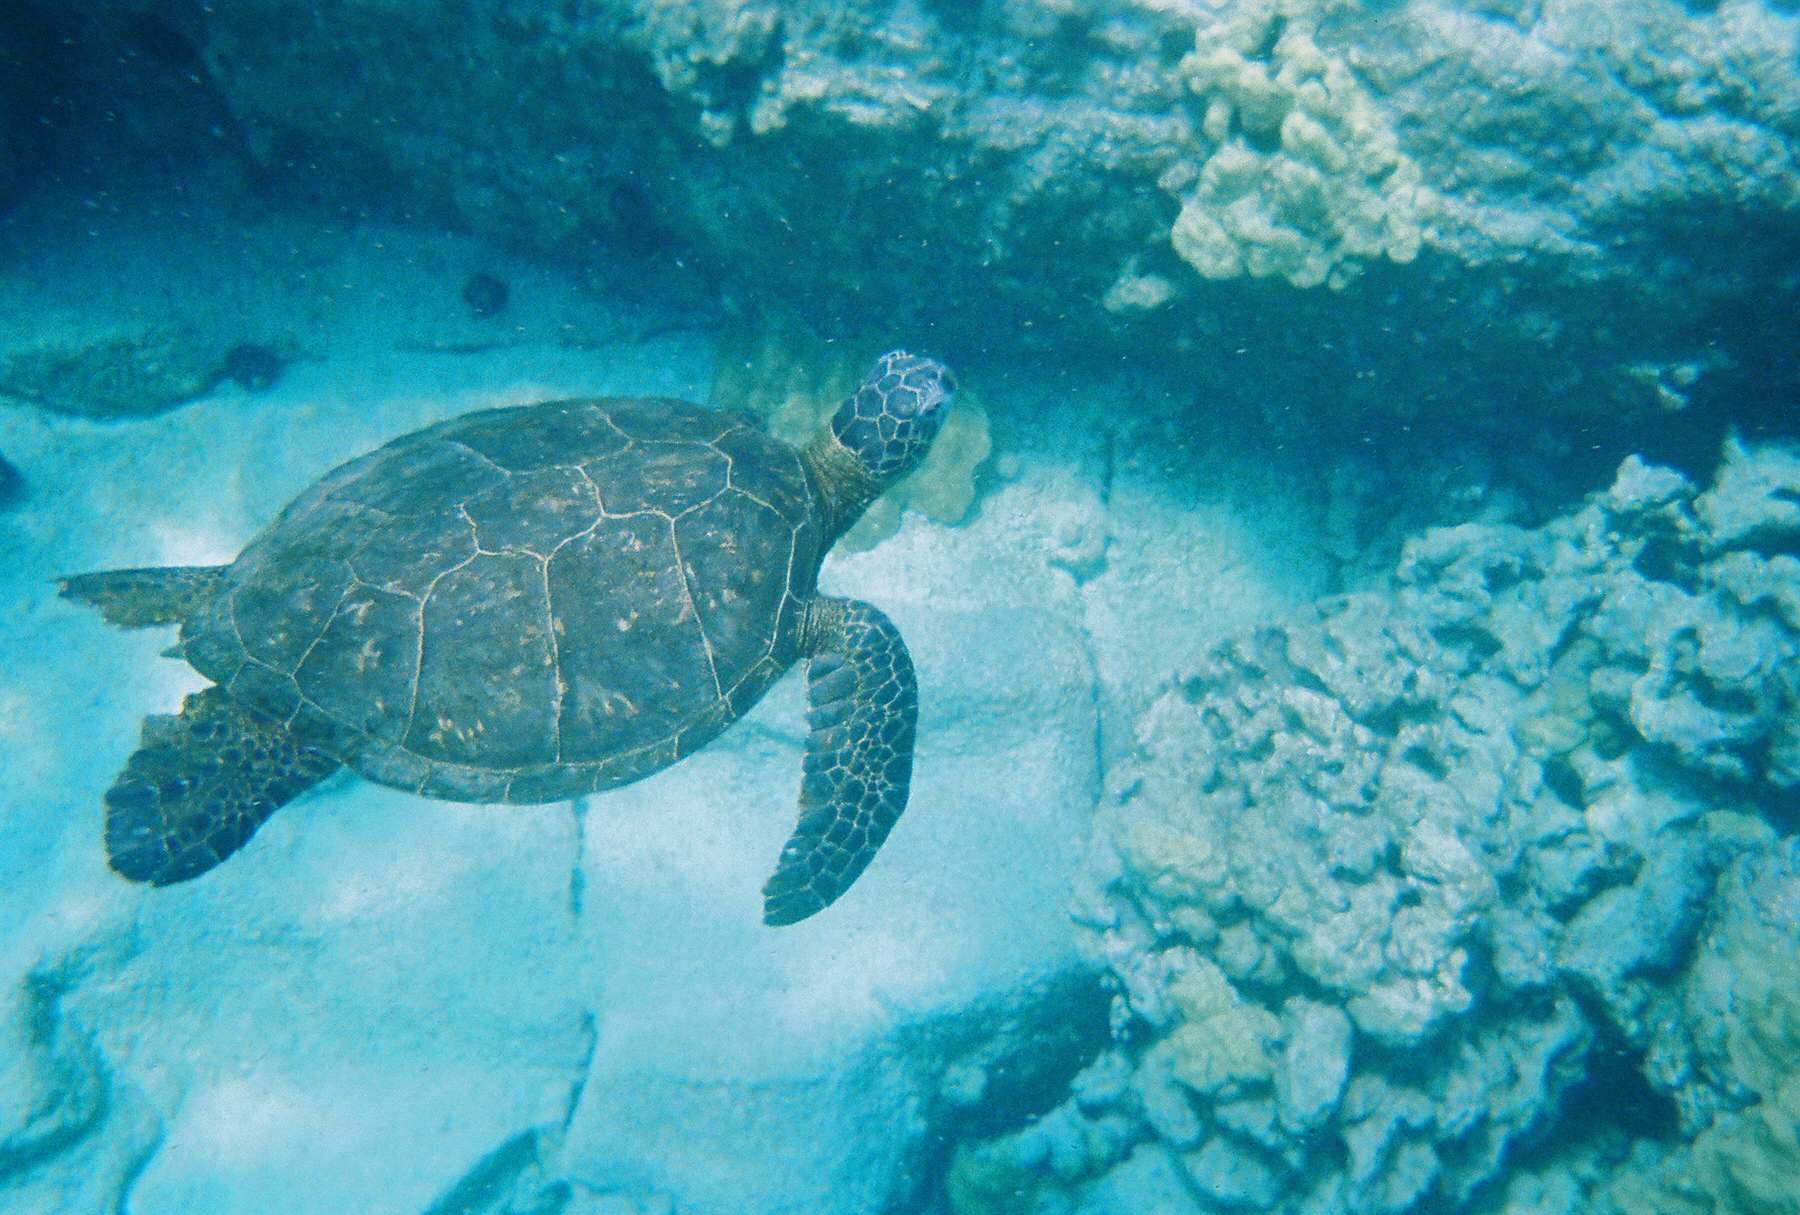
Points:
x=888 y=423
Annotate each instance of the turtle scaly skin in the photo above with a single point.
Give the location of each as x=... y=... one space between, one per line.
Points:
x=530 y=604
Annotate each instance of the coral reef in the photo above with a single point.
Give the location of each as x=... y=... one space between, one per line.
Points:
x=1332 y=189
x=1380 y=880
x=1742 y=1006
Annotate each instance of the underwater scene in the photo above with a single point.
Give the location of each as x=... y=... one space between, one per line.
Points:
x=899 y=607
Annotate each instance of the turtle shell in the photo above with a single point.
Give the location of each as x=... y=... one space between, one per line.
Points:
x=525 y=604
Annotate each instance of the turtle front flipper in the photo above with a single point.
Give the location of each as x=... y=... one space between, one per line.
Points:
x=199 y=785
x=864 y=715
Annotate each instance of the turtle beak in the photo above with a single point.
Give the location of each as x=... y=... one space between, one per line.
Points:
x=941 y=392
x=932 y=383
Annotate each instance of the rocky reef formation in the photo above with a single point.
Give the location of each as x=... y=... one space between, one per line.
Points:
x=1391 y=888
x=1521 y=188
x=1469 y=891
x=1741 y=1000
x=1491 y=215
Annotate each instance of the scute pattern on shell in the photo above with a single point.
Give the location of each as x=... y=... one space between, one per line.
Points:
x=525 y=604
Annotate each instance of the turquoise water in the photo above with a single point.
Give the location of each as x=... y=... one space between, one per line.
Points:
x=1355 y=611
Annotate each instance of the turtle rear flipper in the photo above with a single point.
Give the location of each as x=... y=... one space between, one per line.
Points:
x=135 y=599
x=200 y=785
x=864 y=715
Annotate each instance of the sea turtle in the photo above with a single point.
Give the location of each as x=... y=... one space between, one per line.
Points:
x=533 y=603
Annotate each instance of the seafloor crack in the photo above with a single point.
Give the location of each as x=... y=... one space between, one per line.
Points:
x=523 y=1174
x=578 y=869
x=85 y=1137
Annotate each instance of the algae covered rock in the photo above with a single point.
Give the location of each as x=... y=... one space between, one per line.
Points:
x=1220 y=1049
x=1315 y=1063
x=1755 y=503
x=130 y=371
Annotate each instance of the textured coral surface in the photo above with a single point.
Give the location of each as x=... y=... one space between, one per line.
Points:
x=1389 y=885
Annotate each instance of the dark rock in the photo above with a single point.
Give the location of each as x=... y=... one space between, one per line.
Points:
x=634 y=220
x=113 y=370
x=12 y=485
x=253 y=368
x=109 y=95
x=485 y=294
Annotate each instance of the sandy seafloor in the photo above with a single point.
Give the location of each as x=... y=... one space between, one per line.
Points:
x=380 y=991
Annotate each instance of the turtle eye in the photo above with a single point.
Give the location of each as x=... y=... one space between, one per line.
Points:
x=941 y=388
